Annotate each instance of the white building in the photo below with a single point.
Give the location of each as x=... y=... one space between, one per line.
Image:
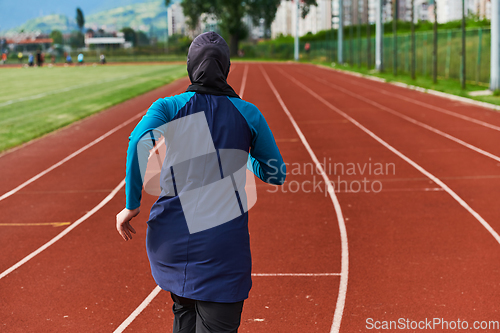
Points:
x=118 y=41
x=422 y=10
x=176 y=20
x=318 y=18
x=282 y=24
x=450 y=10
x=482 y=8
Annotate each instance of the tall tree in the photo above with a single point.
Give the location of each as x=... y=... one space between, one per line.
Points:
x=230 y=13
x=141 y=38
x=56 y=36
x=263 y=9
x=130 y=35
x=80 y=19
x=76 y=39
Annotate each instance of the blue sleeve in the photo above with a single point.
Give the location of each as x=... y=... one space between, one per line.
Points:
x=141 y=142
x=265 y=159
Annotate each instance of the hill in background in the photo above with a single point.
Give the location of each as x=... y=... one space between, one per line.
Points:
x=15 y=13
x=48 y=23
x=149 y=16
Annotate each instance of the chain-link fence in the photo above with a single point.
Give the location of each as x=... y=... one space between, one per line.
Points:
x=361 y=52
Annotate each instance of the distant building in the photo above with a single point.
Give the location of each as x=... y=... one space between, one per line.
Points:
x=255 y=31
x=422 y=10
x=483 y=9
x=450 y=10
x=359 y=11
x=282 y=24
x=176 y=20
x=319 y=18
x=101 y=39
x=447 y=10
x=28 y=42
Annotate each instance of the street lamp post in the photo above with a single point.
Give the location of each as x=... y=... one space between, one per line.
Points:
x=297 y=16
x=340 y=44
x=379 y=37
x=495 y=46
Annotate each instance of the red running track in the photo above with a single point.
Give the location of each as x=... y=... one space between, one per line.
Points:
x=425 y=246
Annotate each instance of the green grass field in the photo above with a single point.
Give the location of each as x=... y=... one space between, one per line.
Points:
x=449 y=86
x=36 y=101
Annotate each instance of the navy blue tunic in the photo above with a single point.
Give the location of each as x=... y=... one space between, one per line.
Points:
x=213 y=264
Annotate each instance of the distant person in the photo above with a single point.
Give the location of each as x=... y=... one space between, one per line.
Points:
x=307 y=48
x=206 y=265
x=102 y=59
x=31 y=60
x=68 y=59
x=39 y=58
x=4 y=58
x=20 y=57
x=80 y=59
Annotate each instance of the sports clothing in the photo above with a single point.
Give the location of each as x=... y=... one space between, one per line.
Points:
x=192 y=316
x=195 y=261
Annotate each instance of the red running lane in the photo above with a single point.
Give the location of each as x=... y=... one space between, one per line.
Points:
x=415 y=253
x=446 y=157
x=74 y=188
x=304 y=239
x=85 y=280
x=427 y=252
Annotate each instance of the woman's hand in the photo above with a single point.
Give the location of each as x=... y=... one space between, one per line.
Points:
x=123 y=222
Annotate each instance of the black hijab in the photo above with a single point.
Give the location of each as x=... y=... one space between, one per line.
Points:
x=208 y=65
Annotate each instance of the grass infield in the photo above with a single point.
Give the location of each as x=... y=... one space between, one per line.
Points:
x=36 y=101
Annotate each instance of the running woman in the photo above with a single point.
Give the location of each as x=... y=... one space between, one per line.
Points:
x=202 y=259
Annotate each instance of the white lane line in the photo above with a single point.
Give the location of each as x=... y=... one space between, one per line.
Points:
x=35 y=224
x=427 y=105
x=427 y=189
x=138 y=310
x=344 y=271
x=295 y=274
x=442 y=110
x=157 y=290
x=243 y=81
x=69 y=157
x=77 y=222
x=455 y=196
x=411 y=120
x=64 y=232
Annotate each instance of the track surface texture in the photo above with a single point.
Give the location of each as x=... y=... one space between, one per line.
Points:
x=414 y=239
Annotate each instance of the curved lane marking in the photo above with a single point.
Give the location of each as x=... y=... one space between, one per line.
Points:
x=445 y=187
x=344 y=271
x=411 y=120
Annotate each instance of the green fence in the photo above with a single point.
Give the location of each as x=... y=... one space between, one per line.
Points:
x=356 y=53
